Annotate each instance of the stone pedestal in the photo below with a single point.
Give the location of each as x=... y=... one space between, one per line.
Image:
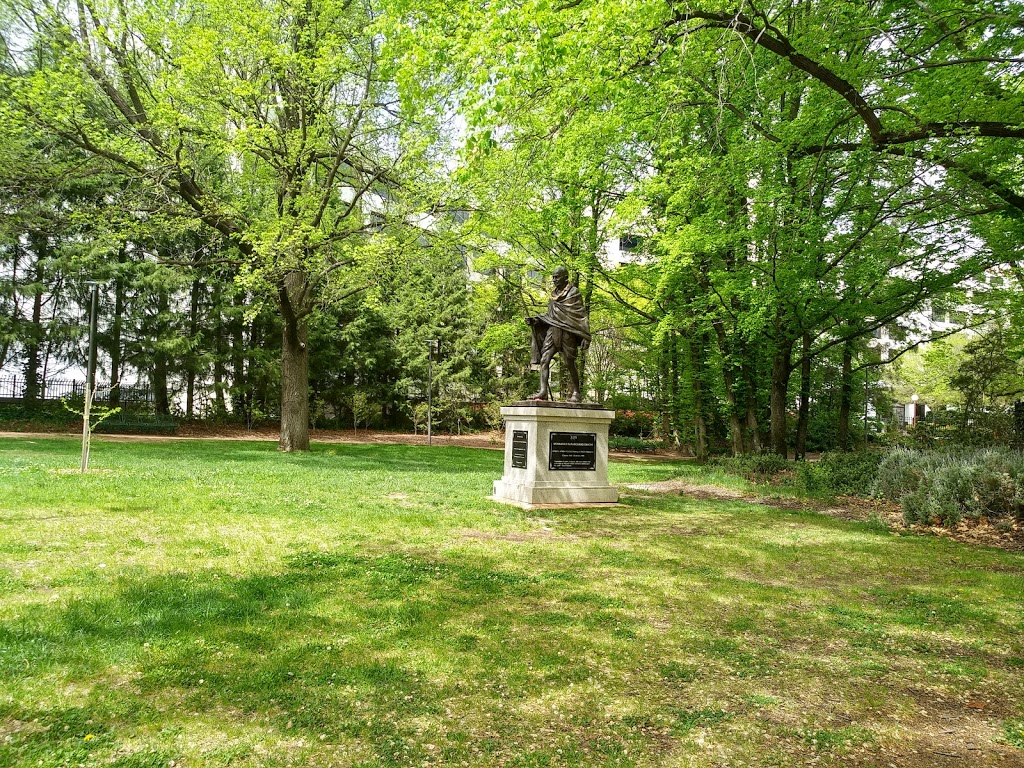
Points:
x=555 y=453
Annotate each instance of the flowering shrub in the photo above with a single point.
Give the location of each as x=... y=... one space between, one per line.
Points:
x=629 y=423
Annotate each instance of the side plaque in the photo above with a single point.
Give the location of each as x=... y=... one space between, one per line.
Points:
x=519 y=440
x=573 y=450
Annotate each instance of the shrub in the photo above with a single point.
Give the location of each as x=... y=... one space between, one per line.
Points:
x=809 y=477
x=632 y=444
x=841 y=474
x=944 y=487
x=628 y=423
x=758 y=468
x=915 y=506
x=949 y=498
x=998 y=486
x=901 y=472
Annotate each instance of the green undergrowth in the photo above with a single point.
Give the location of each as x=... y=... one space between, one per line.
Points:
x=216 y=603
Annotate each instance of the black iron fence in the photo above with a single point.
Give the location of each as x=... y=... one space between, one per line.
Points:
x=15 y=389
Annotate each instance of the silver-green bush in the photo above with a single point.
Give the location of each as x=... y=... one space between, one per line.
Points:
x=944 y=487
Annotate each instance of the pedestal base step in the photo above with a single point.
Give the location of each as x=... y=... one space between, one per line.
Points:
x=515 y=493
x=524 y=505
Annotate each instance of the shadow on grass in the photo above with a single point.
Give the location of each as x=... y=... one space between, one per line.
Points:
x=667 y=609
x=337 y=647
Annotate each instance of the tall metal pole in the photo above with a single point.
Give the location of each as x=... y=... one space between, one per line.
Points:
x=866 y=410
x=91 y=375
x=430 y=389
x=90 y=383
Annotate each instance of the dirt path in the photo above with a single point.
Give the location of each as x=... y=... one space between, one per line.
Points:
x=492 y=440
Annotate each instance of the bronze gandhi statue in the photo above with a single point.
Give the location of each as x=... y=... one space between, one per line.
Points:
x=564 y=329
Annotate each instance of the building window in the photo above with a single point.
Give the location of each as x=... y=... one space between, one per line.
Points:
x=629 y=243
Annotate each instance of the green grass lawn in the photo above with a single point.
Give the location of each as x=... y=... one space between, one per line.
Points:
x=202 y=603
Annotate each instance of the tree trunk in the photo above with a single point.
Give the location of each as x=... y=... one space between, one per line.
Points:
x=805 y=398
x=1018 y=423
x=700 y=429
x=845 y=396
x=781 y=368
x=748 y=370
x=294 y=364
x=735 y=424
x=673 y=390
x=295 y=387
x=35 y=334
x=218 y=351
x=753 y=427
x=666 y=427
x=193 y=331
x=161 y=402
x=15 y=315
x=587 y=281
x=240 y=400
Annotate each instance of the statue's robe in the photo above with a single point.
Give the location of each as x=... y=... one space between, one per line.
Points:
x=565 y=311
x=561 y=329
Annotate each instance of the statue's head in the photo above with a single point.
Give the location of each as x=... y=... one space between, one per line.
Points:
x=560 y=277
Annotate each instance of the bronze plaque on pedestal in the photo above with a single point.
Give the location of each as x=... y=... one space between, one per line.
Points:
x=573 y=451
x=519 y=441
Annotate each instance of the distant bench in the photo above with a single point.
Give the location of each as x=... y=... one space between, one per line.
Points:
x=138 y=424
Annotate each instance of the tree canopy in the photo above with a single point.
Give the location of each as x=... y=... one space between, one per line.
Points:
x=788 y=180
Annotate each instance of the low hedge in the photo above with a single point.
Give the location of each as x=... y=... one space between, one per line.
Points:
x=944 y=487
x=632 y=444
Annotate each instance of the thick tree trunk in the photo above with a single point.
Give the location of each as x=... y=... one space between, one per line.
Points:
x=845 y=396
x=735 y=424
x=781 y=369
x=753 y=427
x=295 y=387
x=804 y=412
x=294 y=364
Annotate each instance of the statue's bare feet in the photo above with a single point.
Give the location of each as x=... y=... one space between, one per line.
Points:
x=574 y=397
x=539 y=396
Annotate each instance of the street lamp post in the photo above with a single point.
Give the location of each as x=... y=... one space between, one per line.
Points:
x=913 y=400
x=431 y=349
x=90 y=376
x=866 y=411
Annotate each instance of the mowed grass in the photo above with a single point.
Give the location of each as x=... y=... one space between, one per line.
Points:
x=204 y=603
